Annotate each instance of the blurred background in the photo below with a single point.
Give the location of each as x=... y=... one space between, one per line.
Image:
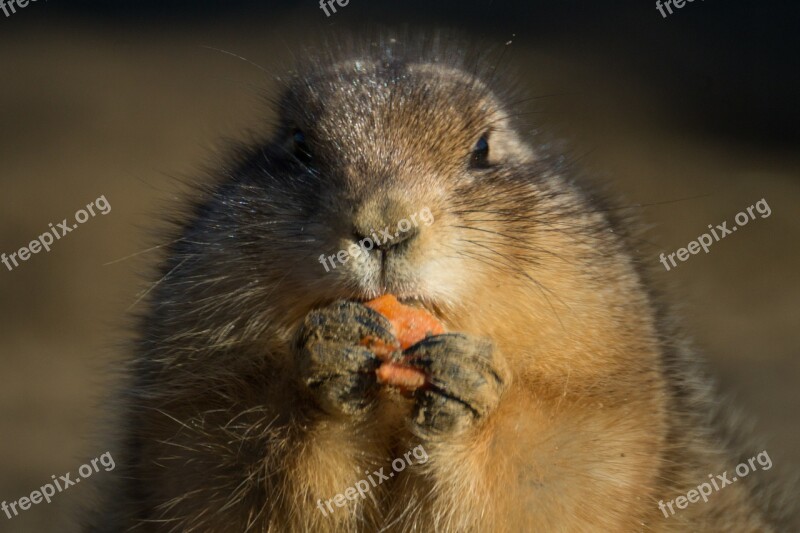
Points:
x=692 y=118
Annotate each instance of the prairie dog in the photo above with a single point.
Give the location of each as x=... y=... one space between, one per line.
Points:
x=564 y=401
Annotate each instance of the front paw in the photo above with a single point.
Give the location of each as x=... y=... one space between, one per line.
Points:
x=335 y=365
x=465 y=380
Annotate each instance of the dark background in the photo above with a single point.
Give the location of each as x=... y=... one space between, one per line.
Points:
x=732 y=67
x=693 y=117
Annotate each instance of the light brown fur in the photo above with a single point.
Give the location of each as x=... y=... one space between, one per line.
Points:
x=604 y=411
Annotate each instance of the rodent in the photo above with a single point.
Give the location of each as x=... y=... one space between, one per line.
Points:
x=567 y=398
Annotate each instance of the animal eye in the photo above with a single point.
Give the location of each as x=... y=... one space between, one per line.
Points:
x=480 y=153
x=300 y=147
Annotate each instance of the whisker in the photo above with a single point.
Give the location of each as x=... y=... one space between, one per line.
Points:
x=237 y=56
x=154 y=285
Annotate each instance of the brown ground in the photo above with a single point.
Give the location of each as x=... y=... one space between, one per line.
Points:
x=89 y=112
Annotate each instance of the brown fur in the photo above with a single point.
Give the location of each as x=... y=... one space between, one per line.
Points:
x=604 y=412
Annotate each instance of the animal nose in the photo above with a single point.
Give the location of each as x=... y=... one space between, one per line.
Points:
x=385 y=237
x=385 y=222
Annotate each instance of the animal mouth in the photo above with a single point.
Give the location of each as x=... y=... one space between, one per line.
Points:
x=403 y=284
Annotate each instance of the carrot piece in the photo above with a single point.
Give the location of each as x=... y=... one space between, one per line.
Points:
x=379 y=347
x=404 y=378
x=410 y=325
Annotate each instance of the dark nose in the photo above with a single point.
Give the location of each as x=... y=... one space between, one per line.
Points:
x=387 y=222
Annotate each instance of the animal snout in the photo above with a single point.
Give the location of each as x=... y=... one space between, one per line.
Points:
x=386 y=222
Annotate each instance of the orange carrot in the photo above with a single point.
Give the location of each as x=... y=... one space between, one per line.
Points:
x=404 y=378
x=410 y=325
